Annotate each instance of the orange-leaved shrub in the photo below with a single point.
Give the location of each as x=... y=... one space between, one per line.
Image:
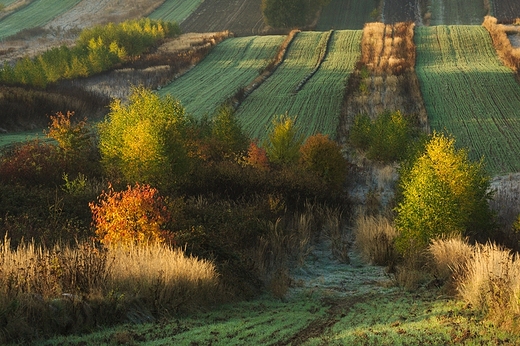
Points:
x=132 y=217
x=256 y=157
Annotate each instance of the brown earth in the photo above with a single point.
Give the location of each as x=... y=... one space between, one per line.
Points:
x=242 y=17
x=506 y=10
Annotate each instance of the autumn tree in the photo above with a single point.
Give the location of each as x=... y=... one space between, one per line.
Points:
x=144 y=141
x=443 y=194
x=283 y=145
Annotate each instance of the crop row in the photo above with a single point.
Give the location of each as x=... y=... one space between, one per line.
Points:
x=469 y=93
x=38 y=13
x=175 y=10
x=232 y=64
x=317 y=105
x=347 y=14
x=457 y=12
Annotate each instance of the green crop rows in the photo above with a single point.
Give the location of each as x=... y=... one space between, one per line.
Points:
x=457 y=12
x=349 y=14
x=469 y=93
x=234 y=63
x=175 y=10
x=317 y=105
x=36 y=14
x=6 y=2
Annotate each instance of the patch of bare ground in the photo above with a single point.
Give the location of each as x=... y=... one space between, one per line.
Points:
x=65 y=29
x=242 y=17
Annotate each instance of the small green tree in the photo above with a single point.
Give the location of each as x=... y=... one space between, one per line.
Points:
x=145 y=140
x=283 y=146
x=228 y=131
x=443 y=193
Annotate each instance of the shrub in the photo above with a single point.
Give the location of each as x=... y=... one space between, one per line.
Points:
x=385 y=139
x=449 y=258
x=136 y=216
x=256 y=157
x=323 y=156
x=144 y=141
x=375 y=237
x=283 y=146
x=443 y=194
x=491 y=284
x=227 y=130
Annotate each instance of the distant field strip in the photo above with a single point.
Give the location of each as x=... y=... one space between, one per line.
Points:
x=175 y=10
x=38 y=13
x=457 y=12
x=6 y=2
x=468 y=92
x=346 y=14
x=232 y=64
x=317 y=105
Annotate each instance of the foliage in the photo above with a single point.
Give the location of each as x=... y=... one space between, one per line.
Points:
x=228 y=131
x=145 y=140
x=385 y=139
x=444 y=194
x=73 y=139
x=97 y=49
x=136 y=216
x=256 y=157
x=283 y=147
x=323 y=156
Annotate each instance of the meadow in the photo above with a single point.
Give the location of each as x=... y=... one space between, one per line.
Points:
x=315 y=107
x=469 y=93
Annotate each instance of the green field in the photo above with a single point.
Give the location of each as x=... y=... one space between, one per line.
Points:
x=6 y=2
x=317 y=105
x=468 y=92
x=457 y=12
x=38 y=13
x=346 y=14
x=232 y=64
x=175 y=10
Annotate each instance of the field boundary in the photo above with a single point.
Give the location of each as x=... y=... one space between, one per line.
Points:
x=322 y=57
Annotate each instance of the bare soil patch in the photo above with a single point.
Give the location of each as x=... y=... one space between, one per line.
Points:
x=242 y=17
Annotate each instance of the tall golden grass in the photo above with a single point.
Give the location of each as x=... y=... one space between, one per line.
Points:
x=491 y=284
x=510 y=56
x=449 y=258
x=63 y=289
x=374 y=236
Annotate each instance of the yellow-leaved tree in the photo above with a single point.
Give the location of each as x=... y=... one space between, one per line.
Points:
x=443 y=194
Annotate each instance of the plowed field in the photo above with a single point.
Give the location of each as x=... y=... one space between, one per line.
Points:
x=505 y=10
x=346 y=14
x=242 y=17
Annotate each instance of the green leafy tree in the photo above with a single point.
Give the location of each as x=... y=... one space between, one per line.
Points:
x=283 y=146
x=443 y=194
x=144 y=141
x=228 y=131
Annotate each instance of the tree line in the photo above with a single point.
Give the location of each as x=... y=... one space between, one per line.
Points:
x=97 y=49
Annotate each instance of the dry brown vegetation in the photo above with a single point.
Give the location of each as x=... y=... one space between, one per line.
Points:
x=510 y=56
x=65 y=289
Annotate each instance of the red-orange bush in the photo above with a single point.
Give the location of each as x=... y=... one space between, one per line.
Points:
x=133 y=217
x=257 y=157
x=323 y=156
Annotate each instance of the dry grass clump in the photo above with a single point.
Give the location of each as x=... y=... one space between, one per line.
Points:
x=65 y=289
x=449 y=258
x=374 y=237
x=491 y=284
x=510 y=56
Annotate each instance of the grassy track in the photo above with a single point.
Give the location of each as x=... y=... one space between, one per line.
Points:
x=468 y=92
x=457 y=12
x=175 y=10
x=36 y=14
x=317 y=105
x=346 y=14
x=232 y=64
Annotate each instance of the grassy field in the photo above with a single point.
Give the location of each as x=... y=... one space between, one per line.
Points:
x=36 y=14
x=468 y=92
x=175 y=10
x=317 y=105
x=349 y=14
x=457 y=12
x=6 y=2
x=232 y=64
